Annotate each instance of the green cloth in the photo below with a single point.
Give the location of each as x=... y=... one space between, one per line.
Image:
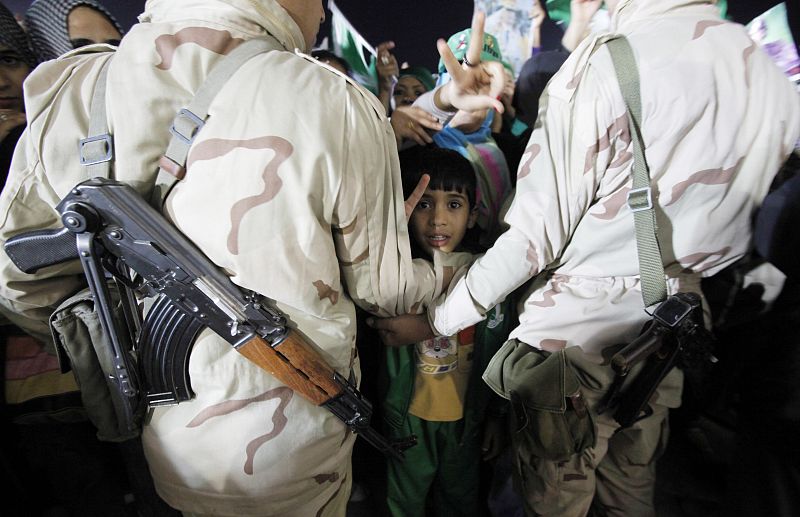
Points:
x=396 y=380
x=459 y=43
x=353 y=48
x=444 y=464
x=446 y=459
x=422 y=74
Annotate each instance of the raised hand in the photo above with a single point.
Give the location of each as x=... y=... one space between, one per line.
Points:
x=413 y=199
x=388 y=71
x=386 y=66
x=475 y=85
x=580 y=15
x=582 y=11
x=537 y=14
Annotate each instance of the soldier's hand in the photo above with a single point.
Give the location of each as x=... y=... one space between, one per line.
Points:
x=402 y=330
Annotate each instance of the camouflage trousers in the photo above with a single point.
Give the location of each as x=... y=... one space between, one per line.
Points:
x=615 y=476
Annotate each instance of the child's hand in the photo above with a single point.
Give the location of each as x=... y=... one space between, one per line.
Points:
x=419 y=191
x=494 y=438
x=402 y=330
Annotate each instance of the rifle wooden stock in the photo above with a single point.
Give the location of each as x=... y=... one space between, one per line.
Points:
x=297 y=364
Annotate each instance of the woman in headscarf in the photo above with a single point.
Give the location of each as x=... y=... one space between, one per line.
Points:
x=16 y=61
x=58 y=26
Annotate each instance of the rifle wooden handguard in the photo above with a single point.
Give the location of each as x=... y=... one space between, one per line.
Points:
x=295 y=363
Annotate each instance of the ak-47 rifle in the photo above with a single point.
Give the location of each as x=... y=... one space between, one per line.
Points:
x=111 y=228
x=676 y=336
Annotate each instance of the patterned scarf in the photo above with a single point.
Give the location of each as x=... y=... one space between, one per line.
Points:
x=46 y=21
x=13 y=37
x=491 y=173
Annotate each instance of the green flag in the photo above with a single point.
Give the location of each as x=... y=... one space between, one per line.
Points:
x=558 y=10
x=353 y=48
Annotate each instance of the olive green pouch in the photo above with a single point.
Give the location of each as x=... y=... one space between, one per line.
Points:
x=83 y=347
x=551 y=420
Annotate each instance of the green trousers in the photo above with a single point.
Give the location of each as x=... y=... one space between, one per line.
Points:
x=442 y=470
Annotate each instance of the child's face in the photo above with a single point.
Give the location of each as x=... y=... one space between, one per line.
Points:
x=441 y=219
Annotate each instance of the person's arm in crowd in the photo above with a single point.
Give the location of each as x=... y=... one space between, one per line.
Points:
x=412 y=124
x=538 y=14
x=580 y=16
x=556 y=185
x=473 y=87
x=388 y=71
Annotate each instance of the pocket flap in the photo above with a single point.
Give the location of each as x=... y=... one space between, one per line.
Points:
x=544 y=385
x=61 y=318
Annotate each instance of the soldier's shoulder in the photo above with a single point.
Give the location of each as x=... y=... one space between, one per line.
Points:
x=353 y=88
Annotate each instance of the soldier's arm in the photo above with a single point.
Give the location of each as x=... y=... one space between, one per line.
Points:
x=370 y=230
x=556 y=183
x=28 y=202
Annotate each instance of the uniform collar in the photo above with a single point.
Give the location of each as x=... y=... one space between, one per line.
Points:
x=249 y=16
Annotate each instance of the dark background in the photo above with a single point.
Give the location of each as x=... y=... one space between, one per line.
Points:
x=414 y=25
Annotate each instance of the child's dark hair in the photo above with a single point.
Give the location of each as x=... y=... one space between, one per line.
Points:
x=326 y=55
x=447 y=168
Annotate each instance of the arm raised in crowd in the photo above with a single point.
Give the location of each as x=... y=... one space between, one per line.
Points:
x=388 y=71
x=581 y=13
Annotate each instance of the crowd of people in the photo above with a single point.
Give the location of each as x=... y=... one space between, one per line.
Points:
x=461 y=244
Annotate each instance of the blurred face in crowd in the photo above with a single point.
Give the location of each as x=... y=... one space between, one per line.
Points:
x=87 y=26
x=508 y=87
x=13 y=71
x=308 y=15
x=407 y=89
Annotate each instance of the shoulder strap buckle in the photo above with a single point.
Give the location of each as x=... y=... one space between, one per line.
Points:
x=186 y=125
x=102 y=151
x=640 y=199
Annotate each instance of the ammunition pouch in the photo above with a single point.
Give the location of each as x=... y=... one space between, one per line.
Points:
x=83 y=347
x=550 y=417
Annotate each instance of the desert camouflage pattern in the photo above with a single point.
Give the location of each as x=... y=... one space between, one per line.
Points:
x=719 y=118
x=293 y=187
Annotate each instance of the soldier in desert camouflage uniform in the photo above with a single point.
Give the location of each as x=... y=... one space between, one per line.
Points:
x=718 y=120
x=292 y=186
